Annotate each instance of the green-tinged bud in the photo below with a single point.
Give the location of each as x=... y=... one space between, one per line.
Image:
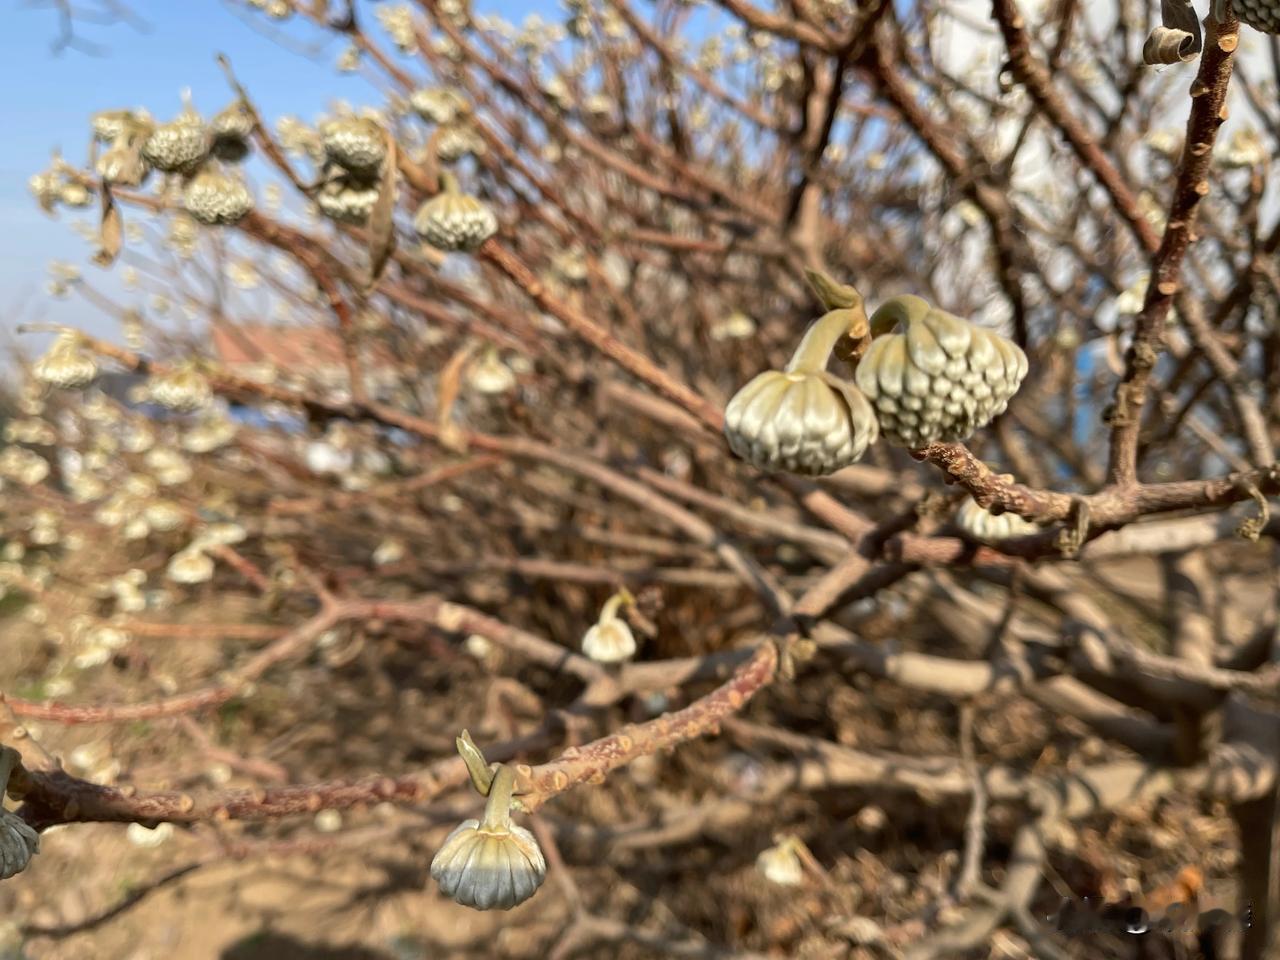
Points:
x=490 y=864
x=936 y=377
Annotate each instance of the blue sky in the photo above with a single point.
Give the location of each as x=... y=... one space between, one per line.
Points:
x=49 y=98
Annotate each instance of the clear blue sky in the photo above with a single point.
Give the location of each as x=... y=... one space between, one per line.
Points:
x=49 y=97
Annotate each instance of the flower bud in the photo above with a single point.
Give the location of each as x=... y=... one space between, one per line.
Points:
x=357 y=144
x=781 y=863
x=803 y=419
x=491 y=863
x=454 y=221
x=190 y=566
x=439 y=104
x=454 y=141
x=610 y=640
x=213 y=197
x=183 y=388
x=179 y=146
x=231 y=128
x=348 y=199
x=940 y=378
x=984 y=525
x=67 y=365
x=809 y=423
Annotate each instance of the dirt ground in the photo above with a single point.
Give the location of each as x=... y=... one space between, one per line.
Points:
x=356 y=885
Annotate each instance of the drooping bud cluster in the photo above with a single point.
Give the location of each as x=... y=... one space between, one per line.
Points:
x=936 y=377
x=454 y=141
x=357 y=144
x=441 y=105
x=67 y=365
x=180 y=145
x=347 y=199
x=490 y=864
x=215 y=196
x=231 y=128
x=454 y=221
x=184 y=388
x=802 y=419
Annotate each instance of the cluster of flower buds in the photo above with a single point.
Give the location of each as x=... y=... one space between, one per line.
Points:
x=57 y=186
x=926 y=376
x=354 y=149
x=933 y=376
x=67 y=365
x=124 y=133
x=216 y=196
x=440 y=105
x=181 y=145
x=454 y=221
x=490 y=863
x=802 y=419
x=183 y=388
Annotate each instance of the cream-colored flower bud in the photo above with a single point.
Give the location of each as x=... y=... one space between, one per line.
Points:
x=190 y=566
x=803 y=419
x=183 y=388
x=357 y=144
x=122 y=165
x=439 y=104
x=781 y=863
x=163 y=515
x=348 y=199
x=391 y=550
x=208 y=435
x=490 y=375
x=610 y=640
x=179 y=146
x=454 y=221
x=214 y=197
x=67 y=365
x=220 y=535
x=490 y=864
x=22 y=466
x=984 y=525
x=73 y=194
x=454 y=141
x=168 y=466
x=938 y=378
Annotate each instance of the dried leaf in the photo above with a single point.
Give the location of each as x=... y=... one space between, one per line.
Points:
x=447 y=396
x=1179 y=40
x=382 y=238
x=111 y=232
